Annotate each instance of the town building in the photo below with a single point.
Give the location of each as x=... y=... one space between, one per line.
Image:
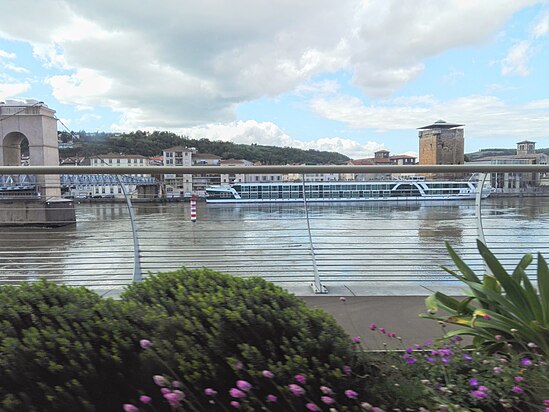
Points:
x=442 y=143
x=509 y=182
x=178 y=185
x=382 y=157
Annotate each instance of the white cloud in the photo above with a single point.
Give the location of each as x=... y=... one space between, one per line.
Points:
x=516 y=61
x=484 y=116
x=7 y=55
x=541 y=28
x=187 y=63
x=12 y=90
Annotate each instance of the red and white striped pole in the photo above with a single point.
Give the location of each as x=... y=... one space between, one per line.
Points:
x=193 y=208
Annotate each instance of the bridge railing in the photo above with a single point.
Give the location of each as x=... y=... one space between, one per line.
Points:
x=364 y=247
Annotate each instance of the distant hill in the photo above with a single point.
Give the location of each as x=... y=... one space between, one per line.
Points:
x=152 y=144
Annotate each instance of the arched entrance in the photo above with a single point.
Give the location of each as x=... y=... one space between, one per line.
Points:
x=14 y=146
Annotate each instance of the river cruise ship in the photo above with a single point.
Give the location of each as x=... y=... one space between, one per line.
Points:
x=350 y=191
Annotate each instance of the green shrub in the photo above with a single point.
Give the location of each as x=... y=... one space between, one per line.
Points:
x=502 y=308
x=63 y=349
x=203 y=322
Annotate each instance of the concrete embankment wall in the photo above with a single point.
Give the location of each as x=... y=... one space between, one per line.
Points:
x=36 y=212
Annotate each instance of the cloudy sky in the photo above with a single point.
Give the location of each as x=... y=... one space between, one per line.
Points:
x=348 y=75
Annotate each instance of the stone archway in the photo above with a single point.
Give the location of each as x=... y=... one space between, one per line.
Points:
x=37 y=123
x=11 y=148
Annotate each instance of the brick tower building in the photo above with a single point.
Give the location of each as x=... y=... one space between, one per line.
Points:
x=441 y=143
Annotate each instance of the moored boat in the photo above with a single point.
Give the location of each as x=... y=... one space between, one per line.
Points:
x=348 y=191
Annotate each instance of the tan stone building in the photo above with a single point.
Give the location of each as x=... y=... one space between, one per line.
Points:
x=441 y=143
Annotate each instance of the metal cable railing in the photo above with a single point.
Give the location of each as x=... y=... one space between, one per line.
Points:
x=355 y=244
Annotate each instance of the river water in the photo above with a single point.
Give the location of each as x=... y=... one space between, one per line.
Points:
x=355 y=244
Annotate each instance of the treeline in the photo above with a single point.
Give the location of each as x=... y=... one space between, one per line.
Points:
x=153 y=143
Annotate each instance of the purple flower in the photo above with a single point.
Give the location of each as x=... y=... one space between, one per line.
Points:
x=444 y=360
x=244 y=385
x=326 y=391
x=351 y=394
x=519 y=378
x=479 y=394
x=312 y=407
x=373 y=326
x=473 y=382
x=271 y=398
x=327 y=400
x=467 y=357
x=236 y=393
x=268 y=374
x=409 y=350
x=128 y=407
x=145 y=343
x=235 y=404
x=356 y=339
x=430 y=359
x=300 y=379
x=210 y=392
x=296 y=389
x=160 y=380
x=428 y=342
x=525 y=362
x=347 y=370
x=410 y=360
x=145 y=399
x=173 y=399
x=517 y=389
x=486 y=316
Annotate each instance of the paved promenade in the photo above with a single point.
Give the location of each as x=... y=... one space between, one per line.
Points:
x=398 y=314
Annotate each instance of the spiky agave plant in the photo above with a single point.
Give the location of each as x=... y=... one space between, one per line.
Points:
x=499 y=308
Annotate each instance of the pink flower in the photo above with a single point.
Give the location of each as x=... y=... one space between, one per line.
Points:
x=498 y=337
x=300 y=379
x=173 y=399
x=497 y=370
x=517 y=389
x=486 y=316
x=268 y=374
x=180 y=394
x=312 y=407
x=519 y=378
x=478 y=394
x=160 y=380
x=356 y=339
x=210 y=392
x=128 y=407
x=145 y=399
x=525 y=362
x=347 y=370
x=176 y=384
x=237 y=393
x=382 y=330
x=373 y=326
x=244 y=385
x=145 y=343
x=235 y=404
x=546 y=402
x=238 y=365
x=327 y=400
x=296 y=389
x=164 y=391
x=351 y=394
x=271 y=398
x=326 y=391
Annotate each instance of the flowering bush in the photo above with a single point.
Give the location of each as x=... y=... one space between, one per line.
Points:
x=202 y=322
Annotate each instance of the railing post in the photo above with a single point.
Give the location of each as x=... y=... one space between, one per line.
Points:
x=478 y=211
x=136 y=255
x=317 y=287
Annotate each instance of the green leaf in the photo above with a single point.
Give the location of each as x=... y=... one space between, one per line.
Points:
x=513 y=290
x=520 y=270
x=543 y=287
x=461 y=265
x=431 y=304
